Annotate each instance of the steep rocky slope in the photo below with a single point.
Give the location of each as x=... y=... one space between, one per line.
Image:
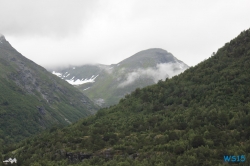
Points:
x=32 y=99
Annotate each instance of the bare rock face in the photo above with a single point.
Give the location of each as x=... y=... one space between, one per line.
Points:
x=77 y=157
x=41 y=110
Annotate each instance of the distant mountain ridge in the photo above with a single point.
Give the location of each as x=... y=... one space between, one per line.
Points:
x=107 y=84
x=156 y=55
x=32 y=99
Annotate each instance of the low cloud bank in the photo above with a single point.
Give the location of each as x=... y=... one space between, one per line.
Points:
x=160 y=72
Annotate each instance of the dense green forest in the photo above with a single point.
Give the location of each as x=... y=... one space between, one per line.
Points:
x=192 y=119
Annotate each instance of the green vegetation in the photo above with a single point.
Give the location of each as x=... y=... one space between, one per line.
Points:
x=108 y=87
x=192 y=119
x=111 y=83
x=32 y=99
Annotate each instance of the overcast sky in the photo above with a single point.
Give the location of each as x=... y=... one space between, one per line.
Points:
x=63 y=32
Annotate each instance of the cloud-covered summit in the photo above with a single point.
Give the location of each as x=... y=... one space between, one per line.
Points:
x=112 y=82
x=160 y=72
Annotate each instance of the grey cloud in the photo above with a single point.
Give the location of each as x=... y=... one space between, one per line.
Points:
x=106 y=32
x=108 y=69
x=161 y=72
x=43 y=18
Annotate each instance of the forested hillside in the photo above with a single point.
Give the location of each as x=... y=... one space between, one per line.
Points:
x=193 y=119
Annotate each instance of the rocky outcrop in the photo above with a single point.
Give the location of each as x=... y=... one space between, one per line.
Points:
x=41 y=110
x=33 y=99
x=77 y=157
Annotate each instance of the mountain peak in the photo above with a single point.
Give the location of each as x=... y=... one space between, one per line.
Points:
x=155 y=49
x=32 y=92
x=3 y=41
x=2 y=38
x=150 y=56
x=107 y=84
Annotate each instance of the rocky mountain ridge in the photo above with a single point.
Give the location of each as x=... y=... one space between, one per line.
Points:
x=32 y=99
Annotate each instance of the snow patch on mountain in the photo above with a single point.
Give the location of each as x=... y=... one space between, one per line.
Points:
x=57 y=74
x=72 y=81
x=82 y=81
x=86 y=88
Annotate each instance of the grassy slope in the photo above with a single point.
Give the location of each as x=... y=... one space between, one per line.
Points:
x=106 y=84
x=22 y=87
x=192 y=119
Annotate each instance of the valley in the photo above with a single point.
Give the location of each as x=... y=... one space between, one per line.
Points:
x=194 y=118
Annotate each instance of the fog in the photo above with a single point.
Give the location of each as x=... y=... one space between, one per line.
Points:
x=160 y=72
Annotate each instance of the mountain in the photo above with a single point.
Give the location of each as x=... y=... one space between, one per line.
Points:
x=200 y=117
x=33 y=99
x=107 y=84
